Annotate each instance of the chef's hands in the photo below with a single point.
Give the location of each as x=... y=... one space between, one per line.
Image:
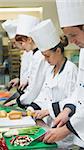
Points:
x=14 y=82
x=61 y=131
x=62 y=118
x=56 y=134
x=39 y=114
x=22 y=86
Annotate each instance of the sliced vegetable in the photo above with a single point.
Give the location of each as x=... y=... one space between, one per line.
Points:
x=21 y=140
x=29 y=130
x=3 y=144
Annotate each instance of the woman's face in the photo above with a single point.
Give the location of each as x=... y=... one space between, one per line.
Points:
x=15 y=44
x=52 y=57
x=75 y=35
x=26 y=44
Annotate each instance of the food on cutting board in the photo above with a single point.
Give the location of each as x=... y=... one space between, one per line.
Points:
x=4 y=94
x=3 y=130
x=30 y=111
x=3 y=114
x=15 y=115
x=2 y=143
x=30 y=130
x=11 y=115
x=21 y=140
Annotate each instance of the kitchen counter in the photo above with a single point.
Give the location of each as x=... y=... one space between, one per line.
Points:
x=43 y=124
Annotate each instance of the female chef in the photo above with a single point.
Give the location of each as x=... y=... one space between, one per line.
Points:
x=37 y=65
x=60 y=81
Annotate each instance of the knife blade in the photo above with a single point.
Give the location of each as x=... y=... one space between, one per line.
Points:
x=34 y=141
x=14 y=96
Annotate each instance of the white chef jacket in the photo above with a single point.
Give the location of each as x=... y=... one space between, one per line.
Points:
x=25 y=65
x=77 y=120
x=57 y=88
x=36 y=78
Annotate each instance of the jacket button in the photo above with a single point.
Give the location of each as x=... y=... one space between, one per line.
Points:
x=79 y=102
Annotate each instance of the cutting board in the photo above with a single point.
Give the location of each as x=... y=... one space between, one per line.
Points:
x=38 y=145
x=6 y=109
x=24 y=122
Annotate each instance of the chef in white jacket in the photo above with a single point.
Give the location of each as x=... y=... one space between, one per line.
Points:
x=60 y=80
x=10 y=26
x=59 y=85
x=38 y=65
x=24 y=26
x=72 y=21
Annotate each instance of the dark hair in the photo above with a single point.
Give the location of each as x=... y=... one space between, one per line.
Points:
x=61 y=45
x=21 y=38
x=64 y=40
x=79 y=26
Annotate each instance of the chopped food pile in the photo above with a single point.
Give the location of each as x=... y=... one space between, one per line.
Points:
x=21 y=140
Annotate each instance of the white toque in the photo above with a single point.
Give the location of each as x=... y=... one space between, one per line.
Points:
x=70 y=12
x=45 y=35
x=25 y=24
x=10 y=27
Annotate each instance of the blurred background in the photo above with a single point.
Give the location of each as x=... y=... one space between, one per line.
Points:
x=9 y=56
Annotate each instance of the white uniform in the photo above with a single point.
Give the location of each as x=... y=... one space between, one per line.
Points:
x=36 y=78
x=25 y=65
x=58 y=88
x=77 y=98
x=77 y=120
x=75 y=17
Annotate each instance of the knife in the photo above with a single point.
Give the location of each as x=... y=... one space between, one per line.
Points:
x=34 y=141
x=40 y=138
x=14 y=96
x=8 y=88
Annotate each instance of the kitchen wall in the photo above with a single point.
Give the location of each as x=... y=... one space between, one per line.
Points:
x=49 y=7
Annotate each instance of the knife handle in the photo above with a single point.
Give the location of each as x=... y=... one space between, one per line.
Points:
x=9 y=87
x=55 y=126
x=20 y=91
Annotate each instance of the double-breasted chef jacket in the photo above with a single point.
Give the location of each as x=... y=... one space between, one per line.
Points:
x=57 y=88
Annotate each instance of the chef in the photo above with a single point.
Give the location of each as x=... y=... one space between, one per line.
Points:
x=72 y=21
x=25 y=24
x=38 y=65
x=10 y=27
x=60 y=81
x=58 y=84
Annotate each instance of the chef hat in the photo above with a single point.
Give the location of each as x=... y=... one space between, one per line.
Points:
x=70 y=12
x=45 y=35
x=25 y=24
x=10 y=27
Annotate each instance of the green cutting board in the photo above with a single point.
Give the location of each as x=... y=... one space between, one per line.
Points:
x=6 y=109
x=38 y=145
x=9 y=108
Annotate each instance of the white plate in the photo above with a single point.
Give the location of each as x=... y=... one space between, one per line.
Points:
x=24 y=122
